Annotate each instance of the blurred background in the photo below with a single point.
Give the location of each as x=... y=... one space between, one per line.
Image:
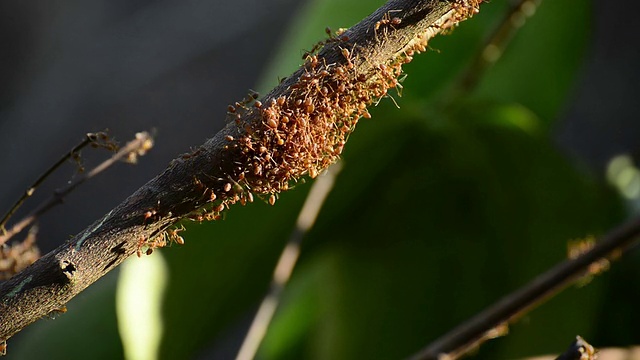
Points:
x=443 y=206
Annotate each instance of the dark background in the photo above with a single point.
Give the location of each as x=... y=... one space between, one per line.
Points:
x=68 y=68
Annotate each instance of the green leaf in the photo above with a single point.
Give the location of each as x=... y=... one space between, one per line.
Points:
x=437 y=223
x=434 y=205
x=138 y=298
x=536 y=70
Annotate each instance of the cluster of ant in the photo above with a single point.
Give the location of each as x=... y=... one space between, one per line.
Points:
x=165 y=238
x=232 y=192
x=95 y=140
x=304 y=130
x=464 y=9
x=386 y=21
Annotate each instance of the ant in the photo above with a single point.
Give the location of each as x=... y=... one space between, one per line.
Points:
x=387 y=20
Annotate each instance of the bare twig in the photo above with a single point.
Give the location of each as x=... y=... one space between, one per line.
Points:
x=141 y=144
x=297 y=129
x=287 y=261
x=495 y=44
x=19 y=254
x=482 y=327
x=90 y=138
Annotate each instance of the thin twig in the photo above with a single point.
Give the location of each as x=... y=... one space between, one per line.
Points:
x=495 y=45
x=139 y=145
x=479 y=328
x=90 y=138
x=287 y=261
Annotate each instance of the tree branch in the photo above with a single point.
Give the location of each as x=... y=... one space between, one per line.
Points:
x=297 y=129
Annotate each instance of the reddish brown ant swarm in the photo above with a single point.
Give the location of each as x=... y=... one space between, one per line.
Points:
x=302 y=127
x=304 y=131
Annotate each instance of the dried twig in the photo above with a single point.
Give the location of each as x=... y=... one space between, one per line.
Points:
x=495 y=44
x=287 y=262
x=91 y=138
x=141 y=144
x=483 y=326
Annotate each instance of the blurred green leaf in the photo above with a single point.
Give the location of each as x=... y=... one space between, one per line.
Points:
x=222 y=271
x=411 y=244
x=139 y=296
x=539 y=67
x=480 y=187
x=308 y=28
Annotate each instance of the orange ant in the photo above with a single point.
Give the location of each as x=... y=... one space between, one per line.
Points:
x=227 y=187
x=149 y=214
x=332 y=38
x=172 y=235
x=387 y=20
x=141 y=241
x=236 y=109
x=348 y=56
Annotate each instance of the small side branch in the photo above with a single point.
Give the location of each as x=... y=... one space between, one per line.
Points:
x=90 y=138
x=482 y=326
x=495 y=44
x=141 y=144
x=287 y=261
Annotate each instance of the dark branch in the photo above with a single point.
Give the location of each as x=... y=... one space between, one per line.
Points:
x=495 y=45
x=479 y=328
x=90 y=138
x=300 y=130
